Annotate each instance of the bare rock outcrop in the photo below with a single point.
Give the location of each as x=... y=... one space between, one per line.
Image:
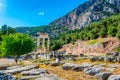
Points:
x=90 y=11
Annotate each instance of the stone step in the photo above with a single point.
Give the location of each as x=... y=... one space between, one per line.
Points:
x=20 y=69
x=13 y=67
x=34 y=72
x=29 y=77
x=41 y=77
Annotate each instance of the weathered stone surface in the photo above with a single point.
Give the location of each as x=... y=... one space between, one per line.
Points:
x=86 y=64
x=101 y=58
x=1 y=73
x=13 y=67
x=1 y=77
x=81 y=67
x=41 y=77
x=100 y=65
x=114 y=77
x=29 y=77
x=93 y=59
x=93 y=70
x=118 y=58
x=72 y=58
x=25 y=68
x=68 y=66
x=25 y=73
x=107 y=59
x=48 y=77
x=47 y=63
x=113 y=65
x=54 y=64
x=103 y=75
x=115 y=54
x=40 y=70
x=34 y=72
x=113 y=59
x=4 y=76
x=10 y=77
x=78 y=68
x=110 y=69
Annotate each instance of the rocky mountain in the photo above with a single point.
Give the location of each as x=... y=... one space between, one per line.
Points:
x=83 y=15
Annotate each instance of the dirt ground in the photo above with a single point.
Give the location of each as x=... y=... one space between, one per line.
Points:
x=5 y=62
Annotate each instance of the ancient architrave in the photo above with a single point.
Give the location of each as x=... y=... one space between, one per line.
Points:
x=41 y=46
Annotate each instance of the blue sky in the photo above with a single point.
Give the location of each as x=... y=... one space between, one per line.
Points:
x=17 y=13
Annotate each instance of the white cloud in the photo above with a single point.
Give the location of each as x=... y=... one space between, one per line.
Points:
x=41 y=13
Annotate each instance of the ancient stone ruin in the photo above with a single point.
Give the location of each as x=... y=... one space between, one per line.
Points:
x=41 y=48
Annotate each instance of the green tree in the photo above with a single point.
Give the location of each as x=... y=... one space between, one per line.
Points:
x=4 y=29
x=118 y=35
x=81 y=35
x=7 y=30
x=11 y=30
x=16 y=44
x=0 y=37
x=55 y=45
x=103 y=32
x=118 y=27
x=85 y=36
x=112 y=30
x=93 y=34
x=68 y=39
x=73 y=37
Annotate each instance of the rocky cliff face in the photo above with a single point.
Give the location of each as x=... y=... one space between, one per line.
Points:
x=83 y=15
x=107 y=45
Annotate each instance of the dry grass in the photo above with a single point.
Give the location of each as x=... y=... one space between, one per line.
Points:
x=72 y=75
x=67 y=75
x=117 y=71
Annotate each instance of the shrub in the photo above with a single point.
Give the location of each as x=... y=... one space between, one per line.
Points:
x=112 y=30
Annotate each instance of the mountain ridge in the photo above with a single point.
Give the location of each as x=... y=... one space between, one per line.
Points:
x=79 y=18
x=90 y=11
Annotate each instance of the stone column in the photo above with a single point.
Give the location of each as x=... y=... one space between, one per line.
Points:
x=38 y=44
x=43 y=45
x=48 y=45
x=35 y=56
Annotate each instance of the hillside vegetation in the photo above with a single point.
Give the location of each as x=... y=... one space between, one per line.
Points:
x=104 y=28
x=54 y=31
